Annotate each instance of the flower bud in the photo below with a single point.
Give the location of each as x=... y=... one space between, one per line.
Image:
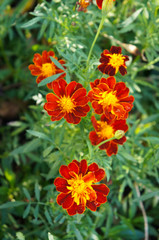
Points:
x=107 y=6
x=119 y=134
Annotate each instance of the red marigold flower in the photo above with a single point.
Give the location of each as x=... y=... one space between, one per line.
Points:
x=110 y=98
x=100 y=2
x=78 y=189
x=69 y=101
x=83 y=4
x=105 y=129
x=113 y=61
x=43 y=67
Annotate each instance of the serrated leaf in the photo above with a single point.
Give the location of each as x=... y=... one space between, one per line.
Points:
x=39 y=135
x=27 y=210
x=12 y=204
x=37 y=191
x=31 y=22
x=49 y=79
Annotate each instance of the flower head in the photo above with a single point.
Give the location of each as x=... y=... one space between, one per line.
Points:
x=110 y=98
x=78 y=188
x=106 y=129
x=83 y=4
x=69 y=101
x=108 y=3
x=43 y=67
x=113 y=61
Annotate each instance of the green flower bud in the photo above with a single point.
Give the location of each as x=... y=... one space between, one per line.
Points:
x=119 y=134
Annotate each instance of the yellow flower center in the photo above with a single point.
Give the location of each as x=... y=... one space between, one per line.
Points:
x=48 y=69
x=84 y=3
x=108 y=99
x=116 y=60
x=66 y=104
x=105 y=131
x=80 y=190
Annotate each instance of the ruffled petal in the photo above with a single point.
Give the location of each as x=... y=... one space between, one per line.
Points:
x=91 y=205
x=93 y=167
x=50 y=97
x=99 y=3
x=64 y=171
x=65 y=200
x=81 y=111
x=71 y=88
x=93 y=138
x=73 y=167
x=60 y=182
x=71 y=118
x=111 y=81
x=122 y=70
x=101 y=198
x=59 y=87
x=83 y=167
x=37 y=60
x=35 y=71
x=112 y=149
x=99 y=174
x=101 y=188
x=116 y=50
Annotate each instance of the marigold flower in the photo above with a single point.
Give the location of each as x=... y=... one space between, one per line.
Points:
x=113 y=61
x=83 y=4
x=69 y=101
x=43 y=67
x=110 y=98
x=105 y=129
x=100 y=3
x=77 y=187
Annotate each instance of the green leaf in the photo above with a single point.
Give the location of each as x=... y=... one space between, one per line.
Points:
x=27 y=194
x=20 y=236
x=28 y=147
x=49 y=79
x=57 y=63
x=78 y=234
x=12 y=204
x=47 y=215
x=31 y=22
x=39 y=135
x=152 y=139
x=37 y=191
x=27 y=210
x=132 y=18
x=147 y=196
x=36 y=212
x=50 y=236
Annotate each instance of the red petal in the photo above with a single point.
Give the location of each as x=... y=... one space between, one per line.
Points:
x=94 y=138
x=75 y=161
x=116 y=50
x=58 y=117
x=89 y=177
x=51 y=106
x=81 y=111
x=113 y=149
x=50 y=97
x=120 y=141
x=101 y=188
x=80 y=93
x=64 y=171
x=71 y=88
x=44 y=56
x=99 y=175
x=65 y=200
x=101 y=198
x=73 y=167
x=122 y=70
x=62 y=189
x=99 y=3
x=40 y=78
x=80 y=208
x=91 y=205
x=111 y=81
x=54 y=113
x=60 y=182
x=37 y=59
x=35 y=71
x=128 y=99
x=72 y=210
x=93 y=167
x=71 y=118
x=97 y=107
x=59 y=87
x=123 y=93
x=83 y=167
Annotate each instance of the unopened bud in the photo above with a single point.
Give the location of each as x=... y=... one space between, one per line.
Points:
x=107 y=5
x=119 y=134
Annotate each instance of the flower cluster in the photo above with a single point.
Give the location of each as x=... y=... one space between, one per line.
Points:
x=111 y=100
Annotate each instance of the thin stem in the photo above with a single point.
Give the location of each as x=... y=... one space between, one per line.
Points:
x=105 y=141
x=143 y=213
x=95 y=39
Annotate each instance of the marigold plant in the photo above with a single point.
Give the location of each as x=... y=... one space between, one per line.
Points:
x=78 y=188
x=69 y=101
x=43 y=67
x=110 y=98
x=106 y=129
x=113 y=61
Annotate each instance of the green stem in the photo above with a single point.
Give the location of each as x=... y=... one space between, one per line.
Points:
x=95 y=39
x=105 y=141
